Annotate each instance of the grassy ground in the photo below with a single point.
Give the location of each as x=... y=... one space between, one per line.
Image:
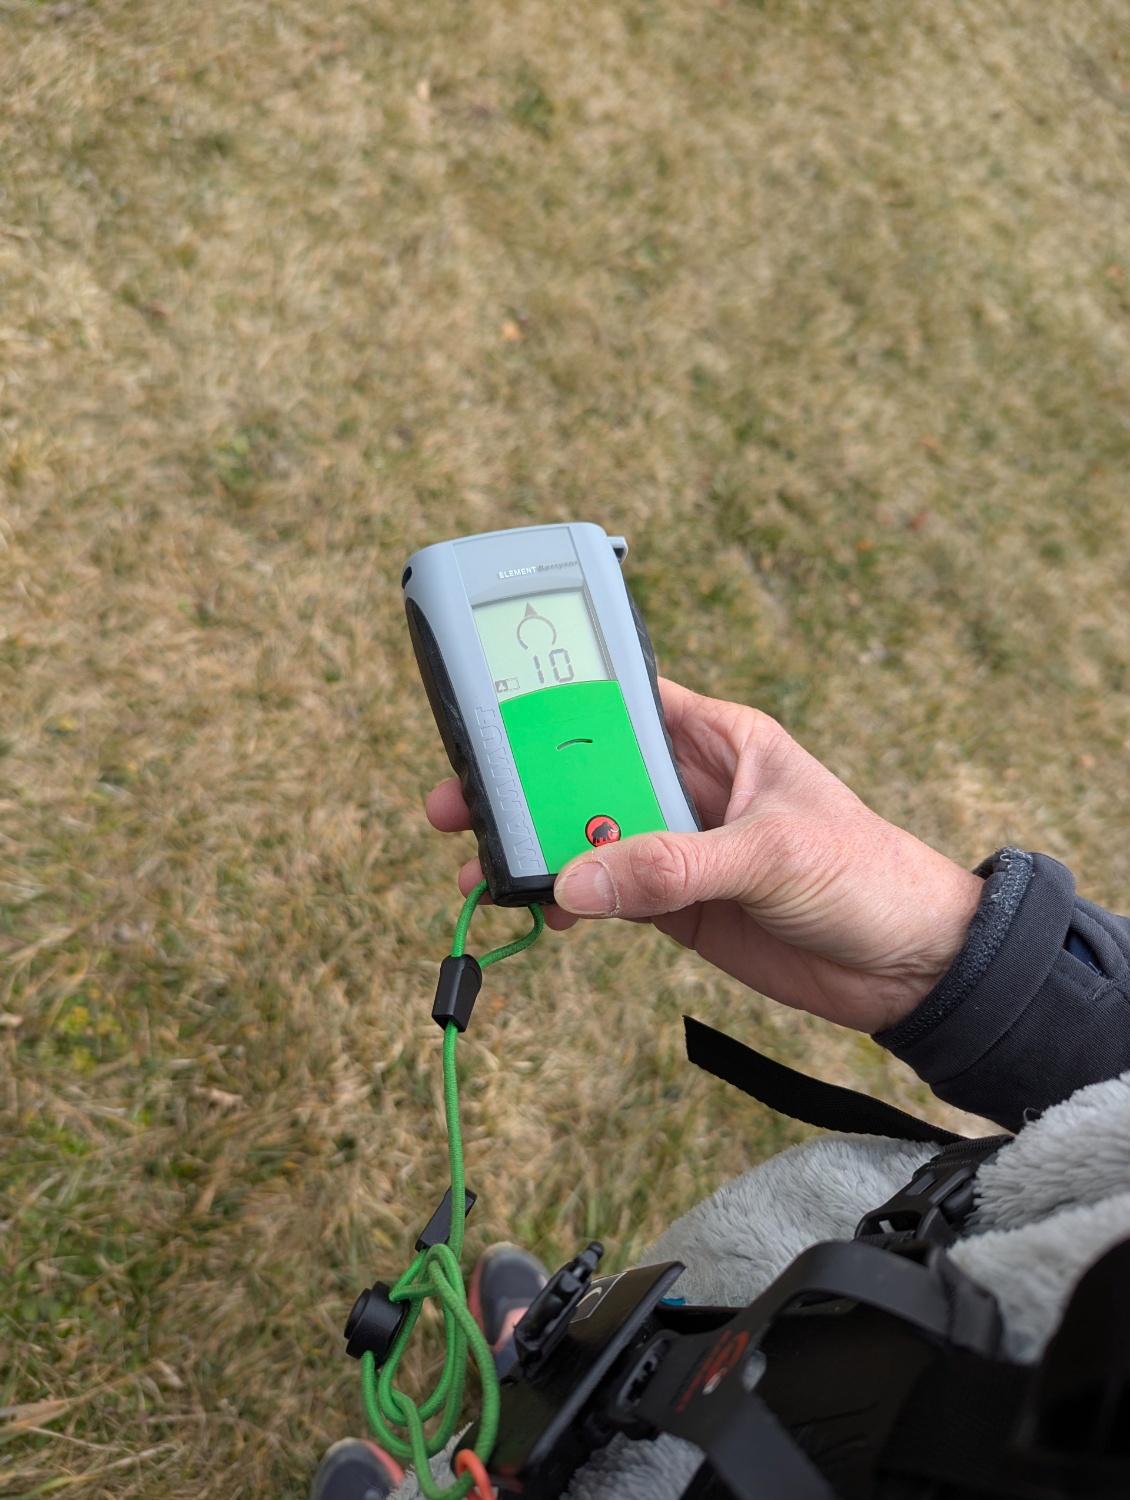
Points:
x=826 y=307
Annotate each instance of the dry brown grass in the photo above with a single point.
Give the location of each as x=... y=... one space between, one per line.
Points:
x=826 y=307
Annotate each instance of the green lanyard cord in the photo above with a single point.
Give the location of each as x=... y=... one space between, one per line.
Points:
x=436 y=1272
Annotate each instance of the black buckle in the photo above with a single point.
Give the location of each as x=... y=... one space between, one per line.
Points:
x=937 y=1200
x=546 y=1319
x=708 y=1387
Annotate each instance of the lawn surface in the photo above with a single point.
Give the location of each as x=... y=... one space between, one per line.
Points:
x=825 y=306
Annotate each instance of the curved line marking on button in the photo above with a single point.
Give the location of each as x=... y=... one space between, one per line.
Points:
x=565 y=743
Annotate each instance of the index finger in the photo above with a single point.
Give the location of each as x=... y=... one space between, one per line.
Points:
x=446 y=809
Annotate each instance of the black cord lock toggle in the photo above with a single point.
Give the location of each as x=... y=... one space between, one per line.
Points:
x=373 y=1324
x=460 y=980
x=548 y=1315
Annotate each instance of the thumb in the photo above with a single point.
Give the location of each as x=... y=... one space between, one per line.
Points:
x=652 y=873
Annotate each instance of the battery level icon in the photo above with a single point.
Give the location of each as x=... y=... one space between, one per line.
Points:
x=506 y=685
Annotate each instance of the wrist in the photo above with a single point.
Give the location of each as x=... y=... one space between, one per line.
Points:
x=947 y=908
x=1002 y=882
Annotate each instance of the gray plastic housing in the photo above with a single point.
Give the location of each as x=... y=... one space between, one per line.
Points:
x=442 y=584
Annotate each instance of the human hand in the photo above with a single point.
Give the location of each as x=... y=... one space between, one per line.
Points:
x=795 y=887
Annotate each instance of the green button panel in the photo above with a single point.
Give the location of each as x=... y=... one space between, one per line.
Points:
x=576 y=756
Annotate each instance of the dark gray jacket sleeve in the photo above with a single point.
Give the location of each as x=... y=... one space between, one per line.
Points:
x=1019 y=1021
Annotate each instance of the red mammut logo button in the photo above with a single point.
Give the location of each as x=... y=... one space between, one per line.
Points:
x=602 y=830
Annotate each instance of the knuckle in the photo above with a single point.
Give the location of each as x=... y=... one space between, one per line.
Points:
x=763 y=733
x=760 y=740
x=660 y=870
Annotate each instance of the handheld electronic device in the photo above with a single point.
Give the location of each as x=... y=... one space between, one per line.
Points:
x=542 y=680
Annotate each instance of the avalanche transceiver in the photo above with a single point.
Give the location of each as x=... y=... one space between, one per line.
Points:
x=542 y=680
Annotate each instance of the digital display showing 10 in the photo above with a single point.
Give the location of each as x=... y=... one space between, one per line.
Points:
x=540 y=641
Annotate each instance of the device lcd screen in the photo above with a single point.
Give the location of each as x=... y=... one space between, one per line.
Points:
x=540 y=640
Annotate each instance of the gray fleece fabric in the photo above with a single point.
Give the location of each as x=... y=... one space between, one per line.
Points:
x=1053 y=1201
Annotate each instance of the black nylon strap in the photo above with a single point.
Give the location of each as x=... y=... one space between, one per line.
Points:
x=792 y=1093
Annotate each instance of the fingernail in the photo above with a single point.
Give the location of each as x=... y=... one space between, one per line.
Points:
x=586 y=890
